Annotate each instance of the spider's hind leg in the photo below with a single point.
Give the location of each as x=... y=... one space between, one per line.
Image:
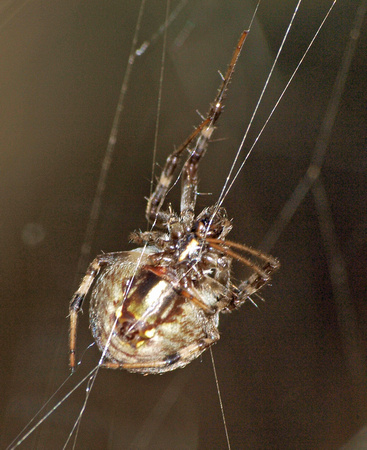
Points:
x=78 y=299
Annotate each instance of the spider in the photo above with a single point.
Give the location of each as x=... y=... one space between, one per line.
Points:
x=156 y=308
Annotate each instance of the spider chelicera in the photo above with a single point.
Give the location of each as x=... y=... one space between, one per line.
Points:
x=156 y=308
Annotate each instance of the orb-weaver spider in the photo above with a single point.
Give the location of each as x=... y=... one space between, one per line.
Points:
x=156 y=308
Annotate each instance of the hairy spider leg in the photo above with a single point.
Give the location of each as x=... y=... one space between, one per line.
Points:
x=262 y=273
x=78 y=299
x=202 y=135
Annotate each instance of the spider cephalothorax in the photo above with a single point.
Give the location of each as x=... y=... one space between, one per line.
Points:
x=212 y=222
x=156 y=308
x=188 y=256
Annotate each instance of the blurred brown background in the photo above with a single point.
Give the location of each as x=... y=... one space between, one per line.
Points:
x=292 y=370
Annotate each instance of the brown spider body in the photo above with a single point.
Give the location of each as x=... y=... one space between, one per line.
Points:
x=151 y=310
x=155 y=327
x=156 y=308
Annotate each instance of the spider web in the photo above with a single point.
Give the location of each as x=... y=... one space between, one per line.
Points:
x=283 y=367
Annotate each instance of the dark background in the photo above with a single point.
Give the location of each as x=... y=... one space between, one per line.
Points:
x=292 y=371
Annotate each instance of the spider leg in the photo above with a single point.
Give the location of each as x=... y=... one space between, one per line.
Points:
x=156 y=200
x=202 y=135
x=178 y=359
x=187 y=289
x=194 y=296
x=77 y=301
x=265 y=266
x=189 y=177
x=255 y=282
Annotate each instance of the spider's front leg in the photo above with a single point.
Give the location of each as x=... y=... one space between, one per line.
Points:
x=156 y=200
x=190 y=172
x=77 y=301
x=200 y=136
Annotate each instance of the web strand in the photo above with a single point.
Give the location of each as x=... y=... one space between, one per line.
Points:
x=225 y=190
x=101 y=185
x=317 y=189
x=314 y=169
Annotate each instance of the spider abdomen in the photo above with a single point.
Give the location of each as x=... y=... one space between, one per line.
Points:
x=146 y=324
